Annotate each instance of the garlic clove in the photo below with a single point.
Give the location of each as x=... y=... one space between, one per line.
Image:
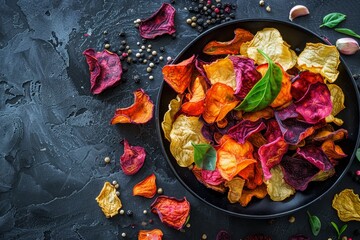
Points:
x=297 y=11
x=347 y=46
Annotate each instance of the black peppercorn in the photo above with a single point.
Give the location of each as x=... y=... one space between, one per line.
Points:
x=122 y=48
x=162 y=49
x=123 y=42
x=122 y=34
x=200 y=21
x=200 y=29
x=232 y=15
x=125 y=68
x=191 y=9
x=129 y=212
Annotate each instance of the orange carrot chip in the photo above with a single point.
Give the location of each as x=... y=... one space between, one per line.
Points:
x=146 y=188
x=178 y=76
x=154 y=234
x=141 y=111
x=229 y=47
x=219 y=101
x=195 y=105
x=246 y=196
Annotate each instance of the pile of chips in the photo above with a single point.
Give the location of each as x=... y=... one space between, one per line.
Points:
x=259 y=119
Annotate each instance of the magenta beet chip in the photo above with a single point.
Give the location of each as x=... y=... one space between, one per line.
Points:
x=316 y=104
x=315 y=156
x=105 y=69
x=271 y=154
x=212 y=177
x=298 y=172
x=302 y=83
x=132 y=159
x=272 y=130
x=246 y=75
x=161 y=22
x=241 y=131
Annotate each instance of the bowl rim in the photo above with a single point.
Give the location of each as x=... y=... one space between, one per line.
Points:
x=159 y=128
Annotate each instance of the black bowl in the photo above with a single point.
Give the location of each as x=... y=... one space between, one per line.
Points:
x=297 y=37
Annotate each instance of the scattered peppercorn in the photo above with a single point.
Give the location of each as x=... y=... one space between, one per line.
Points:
x=105 y=32
x=151 y=77
x=160 y=191
x=188 y=225
x=145 y=211
x=129 y=213
x=122 y=34
x=117 y=193
x=292 y=219
x=149 y=69
x=204 y=236
x=136 y=78
x=114 y=182
x=268 y=8
x=107 y=159
x=261 y=3
x=107 y=46
x=122 y=212
x=123 y=234
x=116 y=186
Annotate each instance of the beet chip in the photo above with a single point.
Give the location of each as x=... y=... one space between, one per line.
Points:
x=161 y=22
x=302 y=83
x=246 y=75
x=146 y=188
x=271 y=154
x=105 y=69
x=139 y=112
x=198 y=173
x=172 y=212
x=316 y=104
x=298 y=172
x=212 y=177
x=315 y=156
x=178 y=76
x=132 y=159
x=155 y=234
x=229 y=47
x=241 y=131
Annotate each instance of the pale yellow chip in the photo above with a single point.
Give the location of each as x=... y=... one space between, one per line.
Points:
x=108 y=201
x=347 y=205
x=222 y=70
x=169 y=116
x=185 y=130
x=277 y=188
x=337 y=98
x=320 y=58
x=270 y=41
x=235 y=186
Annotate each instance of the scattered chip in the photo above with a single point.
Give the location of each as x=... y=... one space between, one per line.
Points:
x=347 y=205
x=132 y=159
x=108 y=201
x=146 y=188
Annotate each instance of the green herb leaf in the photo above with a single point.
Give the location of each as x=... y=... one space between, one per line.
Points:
x=358 y=154
x=347 y=31
x=315 y=224
x=339 y=231
x=265 y=90
x=204 y=156
x=333 y=19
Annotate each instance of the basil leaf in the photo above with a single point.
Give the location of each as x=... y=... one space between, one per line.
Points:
x=342 y=229
x=347 y=32
x=265 y=90
x=336 y=228
x=358 y=154
x=315 y=224
x=333 y=19
x=204 y=156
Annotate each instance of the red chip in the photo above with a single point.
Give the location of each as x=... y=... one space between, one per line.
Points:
x=132 y=159
x=105 y=69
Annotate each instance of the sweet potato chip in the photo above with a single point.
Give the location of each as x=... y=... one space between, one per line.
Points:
x=169 y=116
x=316 y=104
x=271 y=154
x=253 y=175
x=265 y=113
x=235 y=186
x=154 y=234
x=284 y=95
x=195 y=105
x=332 y=151
x=171 y=211
x=233 y=157
x=298 y=172
x=246 y=75
x=241 y=131
x=229 y=47
x=159 y=23
x=246 y=196
x=105 y=69
x=337 y=98
x=277 y=188
x=221 y=71
x=219 y=101
x=320 y=58
x=178 y=76
x=185 y=130
x=347 y=205
x=141 y=111
x=270 y=41
x=146 y=188
x=132 y=159
x=108 y=201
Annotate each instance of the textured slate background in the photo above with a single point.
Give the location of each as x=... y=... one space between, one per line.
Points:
x=54 y=134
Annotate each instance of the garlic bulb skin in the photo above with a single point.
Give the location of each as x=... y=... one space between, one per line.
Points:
x=297 y=11
x=347 y=46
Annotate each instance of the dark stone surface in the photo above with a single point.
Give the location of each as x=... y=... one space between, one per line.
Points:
x=54 y=134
